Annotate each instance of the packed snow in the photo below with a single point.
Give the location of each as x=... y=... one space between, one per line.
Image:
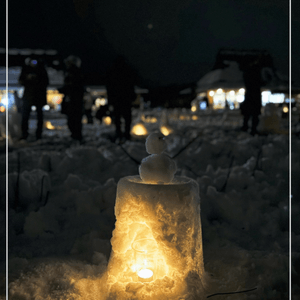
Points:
x=62 y=196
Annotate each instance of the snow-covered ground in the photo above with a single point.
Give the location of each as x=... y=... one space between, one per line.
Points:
x=61 y=207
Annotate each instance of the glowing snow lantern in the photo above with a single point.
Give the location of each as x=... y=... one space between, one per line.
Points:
x=157 y=241
x=166 y=129
x=139 y=129
x=107 y=120
x=49 y=125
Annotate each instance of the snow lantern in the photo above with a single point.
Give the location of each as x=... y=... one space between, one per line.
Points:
x=107 y=120
x=49 y=125
x=139 y=130
x=166 y=129
x=157 y=241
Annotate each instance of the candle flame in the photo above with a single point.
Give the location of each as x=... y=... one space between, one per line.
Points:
x=145 y=273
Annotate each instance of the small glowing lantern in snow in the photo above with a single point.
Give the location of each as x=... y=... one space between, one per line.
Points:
x=157 y=241
x=107 y=120
x=285 y=109
x=139 y=129
x=49 y=125
x=166 y=129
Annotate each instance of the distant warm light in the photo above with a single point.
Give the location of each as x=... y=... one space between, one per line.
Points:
x=2 y=109
x=219 y=91
x=166 y=130
x=139 y=129
x=107 y=120
x=232 y=93
x=211 y=93
x=194 y=108
x=194 y=118
x=285 y=109
x=49 y=125
x=148 y=119
x=100 y=101
x=242 y=91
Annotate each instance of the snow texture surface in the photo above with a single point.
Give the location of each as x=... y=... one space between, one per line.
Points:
x=62 y=198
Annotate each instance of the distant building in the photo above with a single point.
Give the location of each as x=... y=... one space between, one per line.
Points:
x=55 y=69
x=224 y=85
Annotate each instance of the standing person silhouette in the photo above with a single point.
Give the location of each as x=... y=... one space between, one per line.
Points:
x=251 y=107
x=120 y=82
x=73 y=91
x=35 y=80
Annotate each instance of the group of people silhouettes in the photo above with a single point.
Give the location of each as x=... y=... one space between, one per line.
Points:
x=120 y=83
x=121 y=79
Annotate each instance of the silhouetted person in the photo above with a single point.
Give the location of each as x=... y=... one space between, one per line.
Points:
x=35 y=79
x=73 y=91
x=120 y=82
x=102 y=112
x=88 y=104
x=251 y=107
x=18 y=102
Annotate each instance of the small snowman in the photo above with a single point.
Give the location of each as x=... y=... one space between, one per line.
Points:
x=157 y=168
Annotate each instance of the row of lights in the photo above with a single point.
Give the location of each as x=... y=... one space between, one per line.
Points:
x=220 y=91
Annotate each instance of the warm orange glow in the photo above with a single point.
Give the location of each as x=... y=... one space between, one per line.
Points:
x=49 y=125
x=139 y=129
x=166 y=130
x=148 y=119
x=146 y=261
x=107 y=120
x=145 y=274
x=2 y=109
x=194 y=118
x=54 y=97
x=194 y=108
x=285 y=109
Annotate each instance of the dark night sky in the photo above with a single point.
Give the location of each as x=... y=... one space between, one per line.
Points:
x=168 y=41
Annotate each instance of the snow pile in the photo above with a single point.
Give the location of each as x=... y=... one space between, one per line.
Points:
x=61 y=213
